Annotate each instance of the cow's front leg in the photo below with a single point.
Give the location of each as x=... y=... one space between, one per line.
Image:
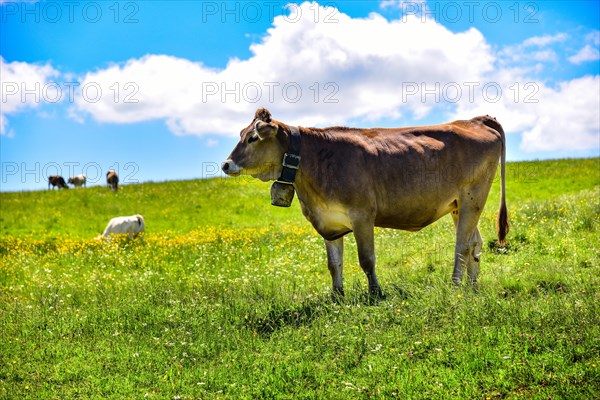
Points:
x=335 y=263
x=364 y=235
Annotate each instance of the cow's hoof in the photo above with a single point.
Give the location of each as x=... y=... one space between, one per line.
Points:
x=337 y=296
x=376 y=293
x=475 y=287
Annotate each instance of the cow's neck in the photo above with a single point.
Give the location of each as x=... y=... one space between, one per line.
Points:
x=308 y=183
x=282 y=190
x=291 y=158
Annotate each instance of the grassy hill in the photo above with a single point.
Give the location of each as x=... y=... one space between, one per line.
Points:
x=183 y=206
x=228 y=297
x=177 y=206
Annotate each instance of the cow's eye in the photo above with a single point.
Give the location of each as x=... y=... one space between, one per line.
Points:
x=253 y=139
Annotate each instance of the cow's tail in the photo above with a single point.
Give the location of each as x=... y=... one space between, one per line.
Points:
x=503 y=225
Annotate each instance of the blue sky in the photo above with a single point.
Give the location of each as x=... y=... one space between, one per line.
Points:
x=159 y=90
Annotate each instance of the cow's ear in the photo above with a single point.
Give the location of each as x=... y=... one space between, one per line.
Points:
x=265 y=130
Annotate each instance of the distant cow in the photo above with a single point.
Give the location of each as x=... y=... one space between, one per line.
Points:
x=131 y=226
x=78 y=180
x=57 y=180
x=112 y=179
x=351 y=180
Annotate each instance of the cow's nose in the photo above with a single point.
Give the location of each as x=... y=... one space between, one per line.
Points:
x=230 y=167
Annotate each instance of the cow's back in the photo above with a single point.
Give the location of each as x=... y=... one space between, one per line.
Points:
x=406 y=178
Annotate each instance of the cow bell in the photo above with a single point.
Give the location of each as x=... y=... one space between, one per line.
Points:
x=282 y=194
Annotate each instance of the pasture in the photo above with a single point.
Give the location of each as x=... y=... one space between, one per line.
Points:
x=229 y=297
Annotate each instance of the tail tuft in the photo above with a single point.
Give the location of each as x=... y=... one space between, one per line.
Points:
x=502 y=225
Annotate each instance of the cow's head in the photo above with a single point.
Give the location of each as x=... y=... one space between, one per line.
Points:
x=260 y=150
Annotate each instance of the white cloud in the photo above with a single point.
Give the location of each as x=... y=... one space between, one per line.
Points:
x=355 y=70
x=4 y=131
x=212 y=143
x=565 y=118
x=545 y=40
x=568 y=118
x=547 y=55
x=152 y=87
x=305 y=72
x=523 y=53
x=593 y=37
x=410 y=5
x=23 y=86
x=587 y=53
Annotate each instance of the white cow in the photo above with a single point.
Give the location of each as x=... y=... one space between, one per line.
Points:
x=131 y=226
x=78 y=180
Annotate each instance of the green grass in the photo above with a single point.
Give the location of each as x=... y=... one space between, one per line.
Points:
x=229 y=297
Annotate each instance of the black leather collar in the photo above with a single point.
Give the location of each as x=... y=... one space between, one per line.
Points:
x=291 y=159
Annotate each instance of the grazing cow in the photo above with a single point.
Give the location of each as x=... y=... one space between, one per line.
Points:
x=78 y=181
x=351 y=180
x=131 y=226
x=112 y=179
x=56 y=180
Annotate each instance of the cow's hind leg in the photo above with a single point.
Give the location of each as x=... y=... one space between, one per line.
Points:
x=471 y=259
x=335 y=263
x=473 y=265
x=468 y=240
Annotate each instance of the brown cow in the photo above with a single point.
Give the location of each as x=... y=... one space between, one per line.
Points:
x=112 y=179
x=57 y=181
x=351 y=180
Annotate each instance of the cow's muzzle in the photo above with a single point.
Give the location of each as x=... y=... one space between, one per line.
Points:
x=231 y=168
